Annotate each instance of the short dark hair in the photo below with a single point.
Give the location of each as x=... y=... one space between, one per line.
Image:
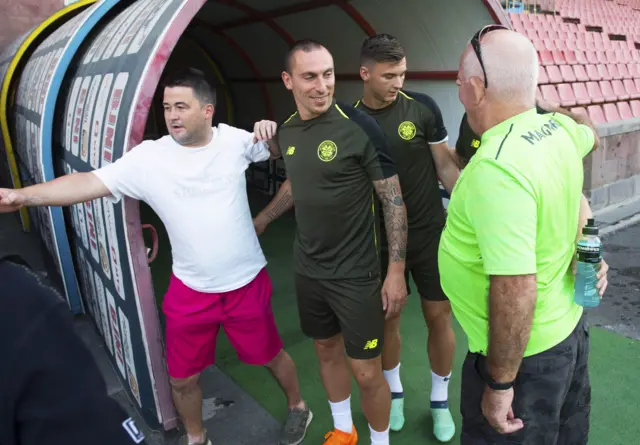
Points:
x=196 y=80
x=381 y=48
x=306 y=45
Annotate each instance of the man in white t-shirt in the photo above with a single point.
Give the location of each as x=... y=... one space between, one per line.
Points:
x=194 y=179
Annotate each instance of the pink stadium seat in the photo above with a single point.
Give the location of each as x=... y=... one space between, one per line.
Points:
x=619 y=90
x=565 y=93
x=542 y=76
x=563 y=35
x=581 y=58
x=611 y=112
x=538 y=45
x=598 y=45
x=630 y=87
x=560 y=44
x=613 y=71
x=594 y=92
x=634 y=70
x=602 y=57
x=553 y=74
x=580 y=111
x=558 y=57
x=546 y=58
x=570 y=57
x=622 y=56
x=583 y=46
x=550 y=94
x=637 y=82
x=553 y=34
x=604 y=72
x=592 y=57
x=571 y=45
x=607 y=91
x=635 y=55
x=550 y=44
x=607 y=45
x=567 y=73
x=593 y=73
x=624 y=71
x=580 y=73
x=587 y=37
x=531 y=33
x=581 y=94
x=596 y=114
x=624 y=110
x=635 y=108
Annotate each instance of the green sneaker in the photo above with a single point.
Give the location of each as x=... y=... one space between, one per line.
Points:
x=443 y=426
x=396 y=421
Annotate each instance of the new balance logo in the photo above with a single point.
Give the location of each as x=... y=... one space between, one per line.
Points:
x=291 y=150
x=133 y=431
x=371 y=344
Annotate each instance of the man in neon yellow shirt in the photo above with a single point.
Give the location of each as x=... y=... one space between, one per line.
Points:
x=506 y=252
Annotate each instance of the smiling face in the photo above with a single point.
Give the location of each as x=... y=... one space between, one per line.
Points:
x=188 y=120
x=311 y=79
x=384 y=79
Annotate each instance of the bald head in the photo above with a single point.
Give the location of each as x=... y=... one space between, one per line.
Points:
x=511 y=66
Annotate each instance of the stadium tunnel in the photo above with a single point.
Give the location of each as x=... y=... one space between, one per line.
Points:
x=82 y=88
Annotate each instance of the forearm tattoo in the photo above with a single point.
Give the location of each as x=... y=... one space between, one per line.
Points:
x=395 y=216
x=280 y=205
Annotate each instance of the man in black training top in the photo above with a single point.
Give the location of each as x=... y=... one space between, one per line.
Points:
x=51 y=390
x=413 y=125
x=337 y=160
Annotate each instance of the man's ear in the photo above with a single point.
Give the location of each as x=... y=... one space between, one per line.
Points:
x=286 y=79
x=209 y=111
x=364 y=73
x=478 y=89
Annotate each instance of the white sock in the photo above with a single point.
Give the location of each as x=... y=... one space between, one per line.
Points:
x=439 y=387
x=341 y=412
x=379 y=438
x=393 y=379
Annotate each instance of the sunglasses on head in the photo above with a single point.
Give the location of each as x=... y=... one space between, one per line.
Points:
x=475 y=43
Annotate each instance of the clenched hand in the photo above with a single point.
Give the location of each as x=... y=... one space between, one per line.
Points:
x=11 y=200
x=497 y=409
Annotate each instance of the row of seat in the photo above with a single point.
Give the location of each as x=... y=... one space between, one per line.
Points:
x=591 y=40
x=610 y=112
x=581 y=45
x=585 y=93
x=585 y=73
x=577 y=57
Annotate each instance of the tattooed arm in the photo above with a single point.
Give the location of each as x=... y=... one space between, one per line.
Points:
x=394 y=289
x=280 y=204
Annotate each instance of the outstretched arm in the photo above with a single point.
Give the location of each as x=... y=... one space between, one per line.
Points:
x=64 y=191
x=280 y=204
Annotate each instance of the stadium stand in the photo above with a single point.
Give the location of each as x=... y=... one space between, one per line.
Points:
x=589 y=53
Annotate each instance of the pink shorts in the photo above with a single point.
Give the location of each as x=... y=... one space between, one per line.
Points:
x=193 y=320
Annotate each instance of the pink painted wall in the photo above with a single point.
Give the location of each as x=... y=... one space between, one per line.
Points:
x=19 y=16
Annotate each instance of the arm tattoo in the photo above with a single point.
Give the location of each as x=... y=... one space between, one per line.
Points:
x=512 y=301
x=280 y=205
x=395 y=216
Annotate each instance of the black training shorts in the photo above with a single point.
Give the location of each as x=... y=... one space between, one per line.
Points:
x=351 y=306
x=422 y=263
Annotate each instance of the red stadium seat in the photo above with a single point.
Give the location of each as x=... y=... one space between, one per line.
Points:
x=594 y=92
x=565 y=93
x=611 y=112
x=581 y=94
x=624 y=110
x=635 y=108
x=596 y=114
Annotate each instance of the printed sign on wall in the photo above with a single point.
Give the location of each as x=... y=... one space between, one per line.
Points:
x=100 y=94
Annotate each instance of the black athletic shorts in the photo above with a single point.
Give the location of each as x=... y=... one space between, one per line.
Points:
x=422 y=263
x=552 y=396
x=351 y=306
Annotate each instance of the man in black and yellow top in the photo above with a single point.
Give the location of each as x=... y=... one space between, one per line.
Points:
x=337 y=160
x=413 y=124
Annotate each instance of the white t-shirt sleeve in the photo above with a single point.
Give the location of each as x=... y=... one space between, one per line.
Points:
x=257 y=152
x=126 y=176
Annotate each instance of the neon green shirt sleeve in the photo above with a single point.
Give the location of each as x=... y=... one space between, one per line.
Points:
x=504 y=217
x=582 y=134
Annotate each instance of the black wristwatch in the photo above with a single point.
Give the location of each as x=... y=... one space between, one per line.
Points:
x=498 y=386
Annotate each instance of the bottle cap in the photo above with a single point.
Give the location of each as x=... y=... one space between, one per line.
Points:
x=590 y=228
